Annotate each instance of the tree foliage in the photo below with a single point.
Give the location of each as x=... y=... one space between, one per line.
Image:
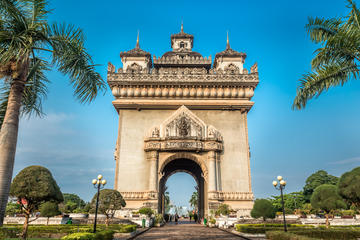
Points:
x=72 y=203
x=194 y=200
x=49 y=209
x=316 y=179
x=13 y=208
x=292 y=201
x=109 y=201
x=326 y=198
x=263 y=208
x=223 y=209
x=349 y=187
x=146 y=211
x=337 y=60
x=33 y=186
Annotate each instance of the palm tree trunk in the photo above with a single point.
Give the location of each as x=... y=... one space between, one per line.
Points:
x=8 y=138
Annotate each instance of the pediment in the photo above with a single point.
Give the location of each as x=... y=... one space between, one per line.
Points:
x=184 y=124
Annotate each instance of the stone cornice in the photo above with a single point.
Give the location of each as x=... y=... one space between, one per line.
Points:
x=182 y=79
x=219 y=104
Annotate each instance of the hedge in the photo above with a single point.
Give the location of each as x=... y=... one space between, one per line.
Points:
x=277 y=235
x=339 y=234
x=43 y=231
x=103 y=235
x=262 y=228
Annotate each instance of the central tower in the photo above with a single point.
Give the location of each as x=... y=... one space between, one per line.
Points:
x=181 y=112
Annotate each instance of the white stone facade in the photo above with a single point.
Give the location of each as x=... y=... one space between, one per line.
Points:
x=184 y=115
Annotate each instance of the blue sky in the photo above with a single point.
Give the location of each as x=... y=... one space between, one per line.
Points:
x=76 y=142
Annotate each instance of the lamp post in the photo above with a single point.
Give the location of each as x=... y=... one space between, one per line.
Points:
x=98 y=184
x=282 y=184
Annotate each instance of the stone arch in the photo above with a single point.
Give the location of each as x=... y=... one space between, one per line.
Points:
x=184 y=155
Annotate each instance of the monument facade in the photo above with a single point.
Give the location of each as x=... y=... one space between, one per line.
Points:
x=183 y=112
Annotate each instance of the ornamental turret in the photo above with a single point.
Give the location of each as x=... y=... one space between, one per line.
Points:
x=229 y=60
x=136 y=60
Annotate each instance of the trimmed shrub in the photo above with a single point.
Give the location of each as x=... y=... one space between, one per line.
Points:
x=128 y=229
x=338 y=234
x=80 y=236
x=262 y=228
x=103 y=235
x=277 y=235
x=146 y=211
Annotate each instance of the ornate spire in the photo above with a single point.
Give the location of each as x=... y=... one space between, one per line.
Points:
x=227 y=40
x=182 y=26
x=137 y=41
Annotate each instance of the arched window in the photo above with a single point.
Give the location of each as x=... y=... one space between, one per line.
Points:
x=182 y=44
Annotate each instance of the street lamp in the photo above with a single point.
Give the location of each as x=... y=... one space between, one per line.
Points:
x=282 y=184
x=98 y=184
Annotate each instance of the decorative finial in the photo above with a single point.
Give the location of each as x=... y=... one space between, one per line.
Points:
x=137 y=41
x=227 y=40
x=182 y=26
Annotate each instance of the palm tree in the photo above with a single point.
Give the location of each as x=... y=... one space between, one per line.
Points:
x=29 y=46
x=336 y=61
x=194 y=200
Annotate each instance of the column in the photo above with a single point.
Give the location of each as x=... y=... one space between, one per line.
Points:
x=218 y=173
x=153 y=159
x=211 y=171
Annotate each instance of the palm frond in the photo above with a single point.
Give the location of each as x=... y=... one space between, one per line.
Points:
x=321 y=29
x=72 y=59
x=314 y=83
x=35 y=89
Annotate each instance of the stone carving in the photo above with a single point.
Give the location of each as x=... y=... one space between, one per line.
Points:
x=111 y=67
x=155 y=133
x=134 y=68
x=231 y=196
x=254 y=68
x=231 y=69
x=183 y=126
x=245 y=71
x=139 y=195
x=214 y=133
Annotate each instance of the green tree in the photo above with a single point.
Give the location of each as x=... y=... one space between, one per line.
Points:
x=317 y=179
x=33 y=186
x=263 y=208
x=29 y=46
x=336 y=61
x=13 y=208
x=167 y=202
x=223 y=209
x=72 y=202
x=326 y=198
x=194 y=200
x=49 y=209
x=292 y=201
x=146 y=211
x=109 y=201
x=349 y=187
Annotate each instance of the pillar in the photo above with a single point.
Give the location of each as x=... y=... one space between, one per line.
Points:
x=153 y=161
x=212 y=171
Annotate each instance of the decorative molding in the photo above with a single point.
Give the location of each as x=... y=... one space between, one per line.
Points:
x=148 y=195
x=231 y=196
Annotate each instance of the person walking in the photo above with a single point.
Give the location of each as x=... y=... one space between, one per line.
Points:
x=195 y=217
x=176 y=218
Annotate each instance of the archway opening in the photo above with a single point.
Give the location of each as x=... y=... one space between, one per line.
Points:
x=190 y=167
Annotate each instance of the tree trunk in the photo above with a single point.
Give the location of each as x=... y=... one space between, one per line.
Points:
x=47 y=221
x=107 y=221
x=25 y=227
x=8 y=138
x=327 y=220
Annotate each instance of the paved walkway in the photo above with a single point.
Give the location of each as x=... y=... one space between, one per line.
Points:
x=185 y=231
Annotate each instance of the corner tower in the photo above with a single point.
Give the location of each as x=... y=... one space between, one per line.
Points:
x=178 y=112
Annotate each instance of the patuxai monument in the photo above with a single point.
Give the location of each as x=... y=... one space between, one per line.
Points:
x=181 y=112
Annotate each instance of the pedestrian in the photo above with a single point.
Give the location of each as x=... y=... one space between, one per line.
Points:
x=176 y=218
x=195 y=217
